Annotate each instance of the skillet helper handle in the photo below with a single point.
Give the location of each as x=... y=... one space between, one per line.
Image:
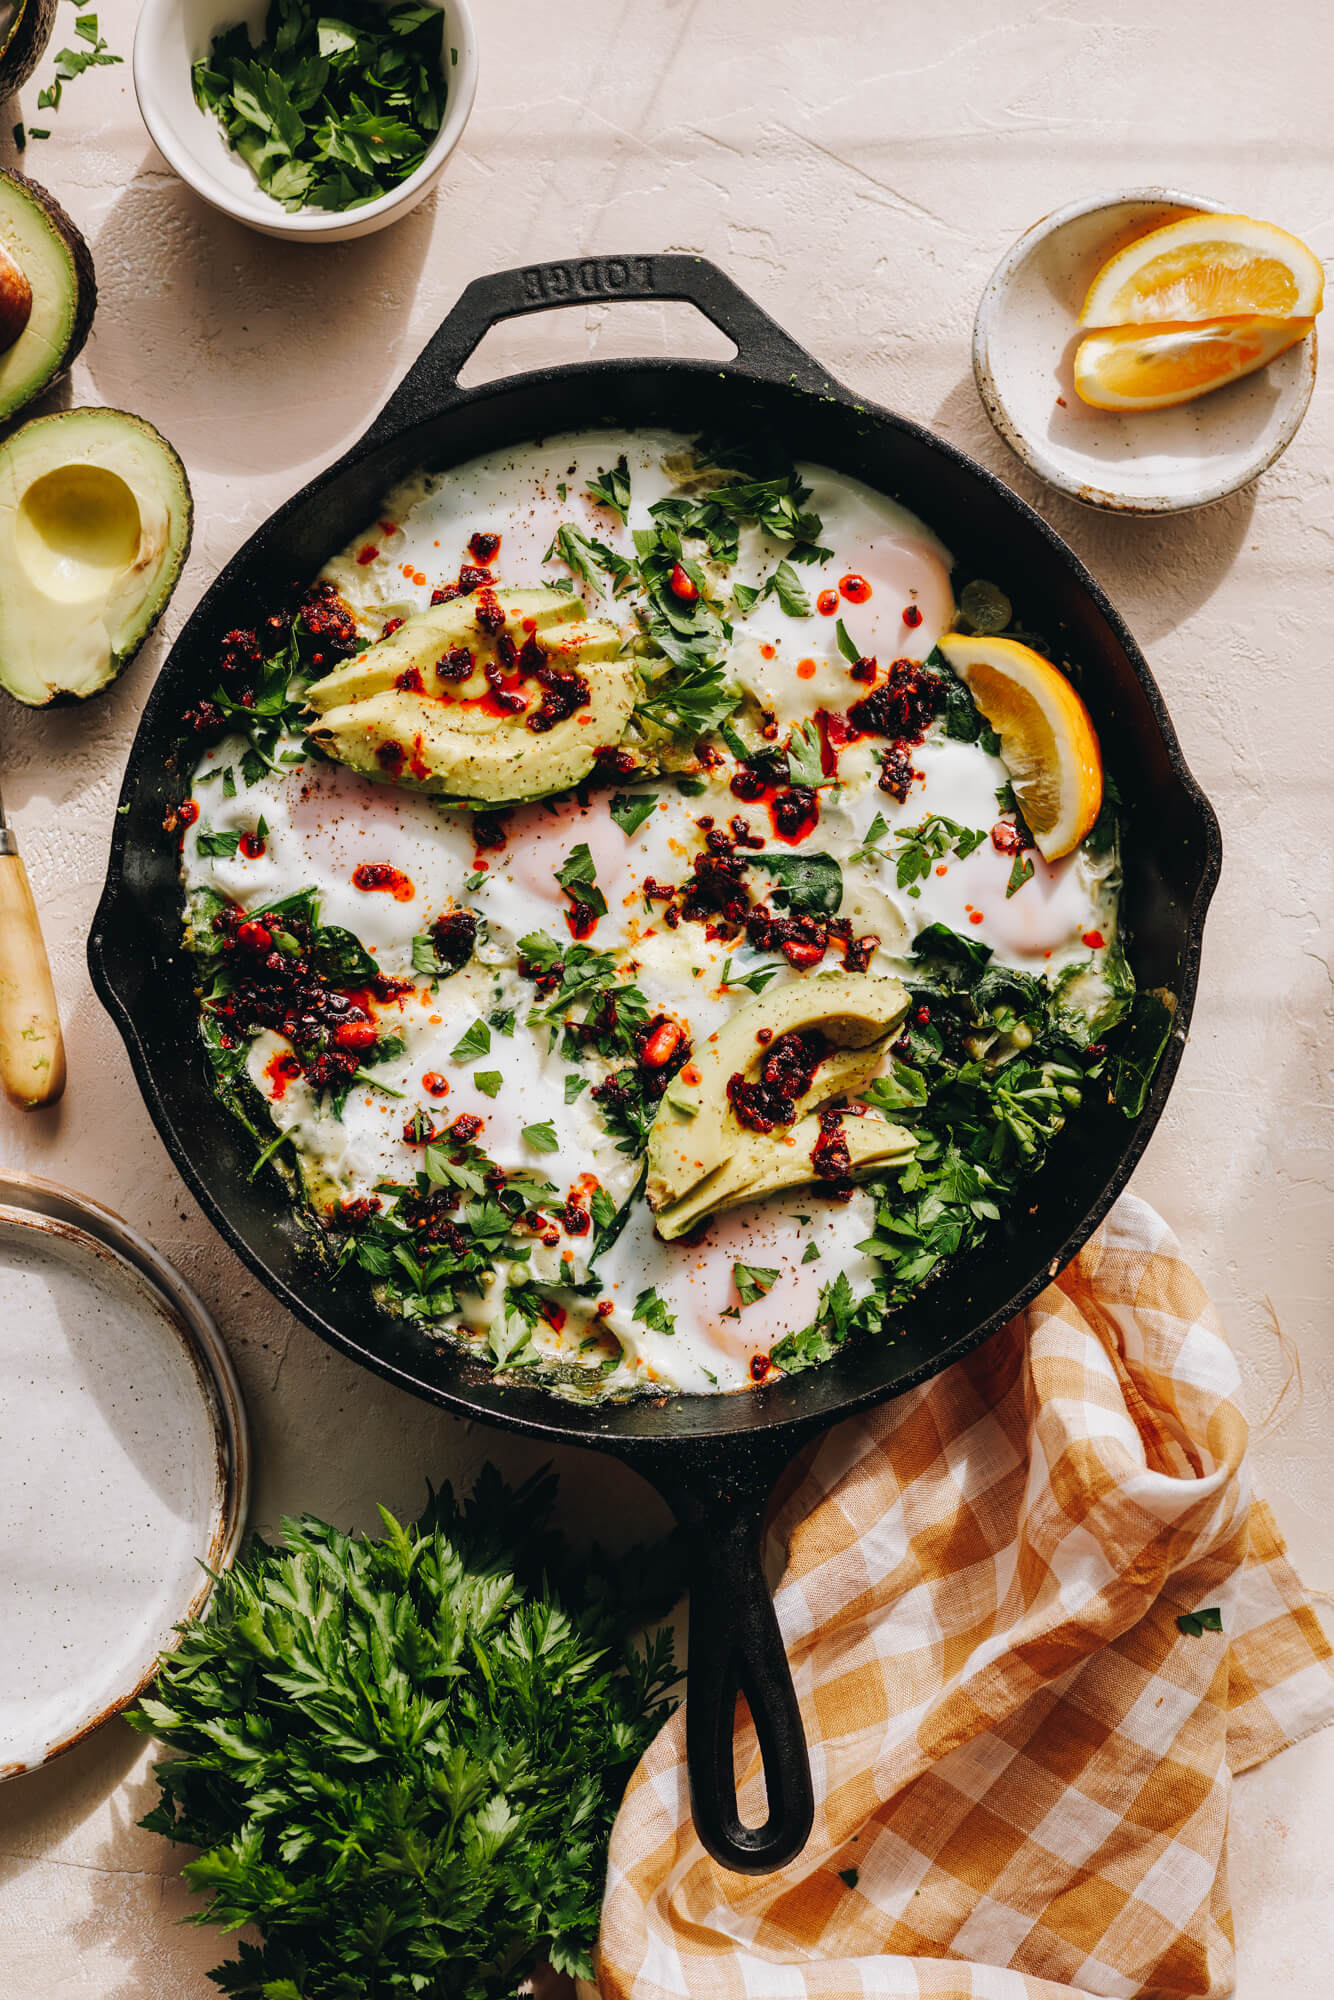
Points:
x=32 y=1049
x=736 y=1648
x=763 y=348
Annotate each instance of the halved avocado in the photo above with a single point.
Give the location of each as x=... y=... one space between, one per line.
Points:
x=699 y=1149
x=95 y=519
x=25 y=30
x=54 y=265
x=393 y=715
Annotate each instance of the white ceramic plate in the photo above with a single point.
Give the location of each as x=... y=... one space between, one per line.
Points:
x=173 y=34
x=123 y=1443
x=1154 y=462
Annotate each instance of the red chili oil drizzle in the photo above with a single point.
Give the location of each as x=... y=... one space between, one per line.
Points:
x=827 y=603
x=370 y=876
x=281 y=1069
x=1094 y=940
x=434 y=1084
x=253 y=846
x=855 y=588
x=786 y=1074
x=912 y=617
x=484 y=548
x=760 y=1367
x=830 y=1157
x=367 y=554
x=794 y=810
x=331 y=1031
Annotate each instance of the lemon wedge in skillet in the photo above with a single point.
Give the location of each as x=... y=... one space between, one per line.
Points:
x=1047 y=742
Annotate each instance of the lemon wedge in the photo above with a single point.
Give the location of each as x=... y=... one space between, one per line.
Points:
x=1047 y=742
x=1153 y=367
x=1207 y=267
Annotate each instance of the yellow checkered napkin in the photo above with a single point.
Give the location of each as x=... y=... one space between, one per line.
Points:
x=1022 y=1765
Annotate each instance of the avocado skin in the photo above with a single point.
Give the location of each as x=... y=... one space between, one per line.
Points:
x=64 y=697
x=24 y=44
x=85 y=276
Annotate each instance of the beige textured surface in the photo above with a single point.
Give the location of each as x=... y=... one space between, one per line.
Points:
x=860 y=169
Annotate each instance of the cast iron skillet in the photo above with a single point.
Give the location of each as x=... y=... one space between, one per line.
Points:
x=715 y=1459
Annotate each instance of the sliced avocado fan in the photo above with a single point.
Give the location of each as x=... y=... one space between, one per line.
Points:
x=47 y=291
x=448 y=705
x=95 y=519
x=701 y=1158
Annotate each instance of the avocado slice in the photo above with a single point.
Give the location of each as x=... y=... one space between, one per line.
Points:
x=696 y=1133
x=391 y=715
x=45 y=257
x=25 y=30
x=773 y=1161
x=95 y=518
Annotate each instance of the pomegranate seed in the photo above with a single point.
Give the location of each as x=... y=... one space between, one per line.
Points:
x=683 y=586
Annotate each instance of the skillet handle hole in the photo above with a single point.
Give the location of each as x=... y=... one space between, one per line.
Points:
x=601 y=332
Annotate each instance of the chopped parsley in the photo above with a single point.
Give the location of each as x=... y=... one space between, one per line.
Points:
x=612 y=488
x=651 y=1311
x=631 y=809
x=333 y=110
x=473 y=1042
x=488 y=1081
x=542 y=1138
x=753 y=1281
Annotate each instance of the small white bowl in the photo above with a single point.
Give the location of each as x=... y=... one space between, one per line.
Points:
x=174 y=34
x=1155 y=462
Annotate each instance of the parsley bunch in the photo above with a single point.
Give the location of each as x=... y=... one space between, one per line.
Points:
x=402 y=1758
x=330 y=110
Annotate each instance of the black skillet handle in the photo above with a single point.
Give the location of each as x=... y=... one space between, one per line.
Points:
x=736 y=1649
x=431 y=384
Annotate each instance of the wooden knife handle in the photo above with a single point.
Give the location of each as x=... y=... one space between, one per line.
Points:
x=32 y=1050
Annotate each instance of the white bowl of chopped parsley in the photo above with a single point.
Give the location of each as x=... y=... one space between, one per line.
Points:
x=318 y=119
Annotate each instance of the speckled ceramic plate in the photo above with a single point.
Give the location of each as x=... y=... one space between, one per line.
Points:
x=1153 y=462
x=123 y=1443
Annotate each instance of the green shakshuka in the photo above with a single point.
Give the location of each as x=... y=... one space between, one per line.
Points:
x=620 y=894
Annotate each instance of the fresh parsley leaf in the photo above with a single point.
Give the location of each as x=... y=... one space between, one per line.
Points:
x=651 y=1311
x=753 y=1281
x=474 y=1041
x=755 y=981
x=811 y=1254
x=805 y=755
x=220 y=846
x=488 y=1081
x=849 y=1876
x=812 y=882
x=574 y=1085
x=847 y=645
x=786 y=586
x=631 y=809
x=1194 y=1624
x=590 y=559
x=502 y=1020
x=542 y=1138
x=578 y=878
x=921 y=847
x=871 y=849
x=1021 y=872
x=612 y=488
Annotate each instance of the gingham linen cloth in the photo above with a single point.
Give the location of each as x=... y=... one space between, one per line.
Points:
x=1022 y=1766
